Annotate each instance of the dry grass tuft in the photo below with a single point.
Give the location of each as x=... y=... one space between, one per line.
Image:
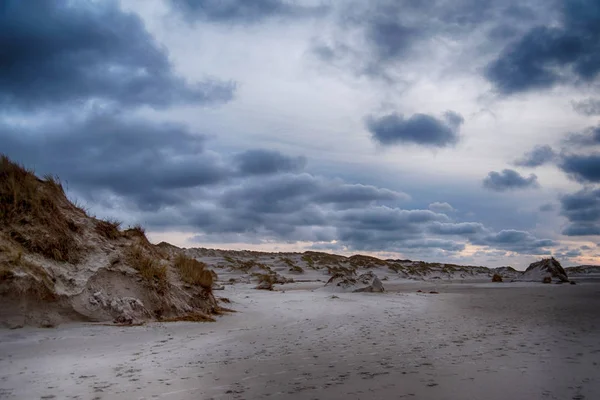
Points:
x=149 y=268
x=136 y=231
x=192 y=317
x=6 y=274
x=108 y=228
x=194 y=272
x=496 y=278
x=31 y=213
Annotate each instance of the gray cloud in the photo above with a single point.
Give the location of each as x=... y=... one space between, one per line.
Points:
x=589 y=107
x=463 y=228
x=582 y=167
x=549 y=55
x=547 y=207
x=539 y=156
x=63 y=52
x=243 y=11
x=589 y=137
x=376 y=37
x=509 y=179
x=420 y=129
x=441 y=207
x=517 y=241
x=260 y=161
x=144 y=160
x=582 y=210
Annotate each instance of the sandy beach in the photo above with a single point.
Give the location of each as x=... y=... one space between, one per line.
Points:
x=470 y=341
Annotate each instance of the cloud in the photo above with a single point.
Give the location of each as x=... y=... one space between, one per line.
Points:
x=588 y=137
x=550 y=55
x=547 y=207
x=516 y=241
x=69 y=53
x=243 y=11
x=582 y=210
x=390 y=39
x=420 y=129
x=582 y=167
x=462 y=228
x=588 y=107
x=142 y=160
x=441 y=207
x=539 y=156
x=260 y=162
x=509 y=179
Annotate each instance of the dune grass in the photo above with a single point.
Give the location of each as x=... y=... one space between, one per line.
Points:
x=149 y=269
x=108 y=228
x=32 y=213
x=194 y=272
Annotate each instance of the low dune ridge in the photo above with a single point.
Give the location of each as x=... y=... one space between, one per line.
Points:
x=59 y=264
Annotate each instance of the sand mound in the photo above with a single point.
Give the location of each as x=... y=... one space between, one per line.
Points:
x=58 y=264
x=544 y=270
x=367 y=282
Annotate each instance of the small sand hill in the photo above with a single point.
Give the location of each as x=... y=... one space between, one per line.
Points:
x=583 y=271
x=544 y=270
x=59 y=264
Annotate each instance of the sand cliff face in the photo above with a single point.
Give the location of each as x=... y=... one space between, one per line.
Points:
x=546 y=270
x=59 y=264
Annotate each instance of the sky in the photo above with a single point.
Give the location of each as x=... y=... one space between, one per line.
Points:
x=458 y=131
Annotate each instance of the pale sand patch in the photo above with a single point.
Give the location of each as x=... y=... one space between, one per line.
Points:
x=508 y=341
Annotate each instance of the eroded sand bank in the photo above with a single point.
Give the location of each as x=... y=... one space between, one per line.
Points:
x=472 y=341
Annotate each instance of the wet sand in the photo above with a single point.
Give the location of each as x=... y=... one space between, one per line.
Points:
x=470 y=341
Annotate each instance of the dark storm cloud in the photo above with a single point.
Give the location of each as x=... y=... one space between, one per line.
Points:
x=376 y=37
x=589 y=137
x=539 y=156
x=262 y=162
x=242 y=11
x=420 y=129
x=142 y=160
x=582 y=167
x=463 y=228
x=549 y=55
x=509 y=179
x=65 y=52
x=287 y=193
x=588 y=107
x=517 y=241
x=447 y=245
x=582 y=209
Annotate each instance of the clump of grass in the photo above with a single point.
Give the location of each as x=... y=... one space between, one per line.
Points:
x=309 y=261
x=289 y=262
x=6 y=274
x=31 y=213
x=296 y=268
x=191 y=317
x=150 y=270
x=136 y=231
x=248 y=265
x=108 y=228
x=194 y=272
x=365 y=261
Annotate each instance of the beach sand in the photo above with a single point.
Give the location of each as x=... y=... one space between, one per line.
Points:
x=470 y=341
